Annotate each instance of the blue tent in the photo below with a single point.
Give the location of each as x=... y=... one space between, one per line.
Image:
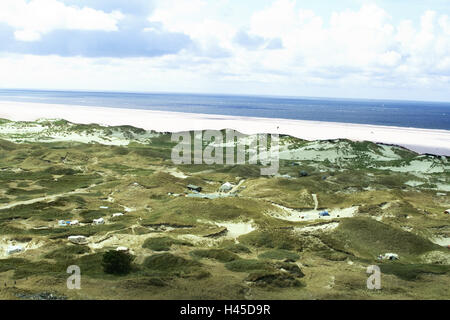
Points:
x=324 y=214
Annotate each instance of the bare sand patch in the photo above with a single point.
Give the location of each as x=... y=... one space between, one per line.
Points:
x=293 y=215
x=442 y=241
x=5 y=243
x=326 y=227
x=237 y=229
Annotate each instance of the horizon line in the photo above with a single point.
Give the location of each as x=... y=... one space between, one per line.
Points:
x=221 y=94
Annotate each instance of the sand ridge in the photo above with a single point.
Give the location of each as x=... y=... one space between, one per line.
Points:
x=420 y=140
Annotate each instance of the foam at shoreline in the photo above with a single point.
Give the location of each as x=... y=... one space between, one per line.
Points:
x=430 y=141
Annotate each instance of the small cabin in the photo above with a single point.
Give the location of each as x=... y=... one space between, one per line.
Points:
x=78 y=239
x=226 y=187
x=324 y=214
x=388 y=256
x=98 y=221
x=115 y=215
x=14 y=249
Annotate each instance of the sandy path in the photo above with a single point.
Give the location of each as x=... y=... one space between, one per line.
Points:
x=419 y=140
x=316 y=202
x=46 y=198
x=236 y=187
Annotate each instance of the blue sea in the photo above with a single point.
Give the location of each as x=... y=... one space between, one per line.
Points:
x=418 y=114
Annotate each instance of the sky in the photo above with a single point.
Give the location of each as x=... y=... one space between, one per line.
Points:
x=381 y=49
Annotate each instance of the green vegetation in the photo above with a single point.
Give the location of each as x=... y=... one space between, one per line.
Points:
x=167 y=264
x=24 y=268
x=163 y=243
x=279 y=254
x=274 y=279
x=246 y=265
x=237 y=248
x=412 y=272
x=279 y=239
x=368 y=238
x=67 y=252
x=165 y=261
x=254 y=245
x=218 y=254
x=117 y=262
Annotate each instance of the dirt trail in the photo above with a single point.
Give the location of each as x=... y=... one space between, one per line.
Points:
x=316 y=202
x=46 y=198
x=236 y=187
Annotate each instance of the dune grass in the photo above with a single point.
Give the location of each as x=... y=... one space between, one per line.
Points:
x=221 y=255
x=163 y=243
x=411 y=272
x=279 y=254
x=368 y=238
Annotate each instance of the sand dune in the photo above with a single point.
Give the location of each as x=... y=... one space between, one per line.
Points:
x=419 y=140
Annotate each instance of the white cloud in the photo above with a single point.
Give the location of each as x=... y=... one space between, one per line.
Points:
x=355 y=46
x=444 y=23
x=33 y=18
x=27 y=35
x=197 y=18
x=350 y=48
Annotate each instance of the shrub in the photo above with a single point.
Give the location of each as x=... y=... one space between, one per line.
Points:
x=276 y=279
x=365 y=237
x=303 y=173
x=245 y=265
x=169 y=263
x=116 y=262
x=218 y=254
x=279 y=254
x=67 y=252
x=411 y=272
x=238 y=248
x=62 y=171
x=270 y=239
x=163 y=243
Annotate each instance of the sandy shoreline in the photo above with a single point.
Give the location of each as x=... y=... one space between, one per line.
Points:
x=420 y=140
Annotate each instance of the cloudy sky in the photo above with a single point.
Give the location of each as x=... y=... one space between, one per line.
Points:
x=323 y=48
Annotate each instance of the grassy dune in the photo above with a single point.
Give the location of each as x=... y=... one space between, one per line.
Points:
x=240 y=247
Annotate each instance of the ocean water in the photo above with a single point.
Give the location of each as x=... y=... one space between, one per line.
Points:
x=431 y=115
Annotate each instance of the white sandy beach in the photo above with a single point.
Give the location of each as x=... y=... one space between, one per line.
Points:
x=419 y=140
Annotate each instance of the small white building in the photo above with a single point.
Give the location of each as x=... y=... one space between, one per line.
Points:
x=14 y=249
x=226 y=187
x=62 y=223
x=74 y=223
x=99 y=221
x=117 y=215
x=389 y=256
x=78 y=239
x=122 y=249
